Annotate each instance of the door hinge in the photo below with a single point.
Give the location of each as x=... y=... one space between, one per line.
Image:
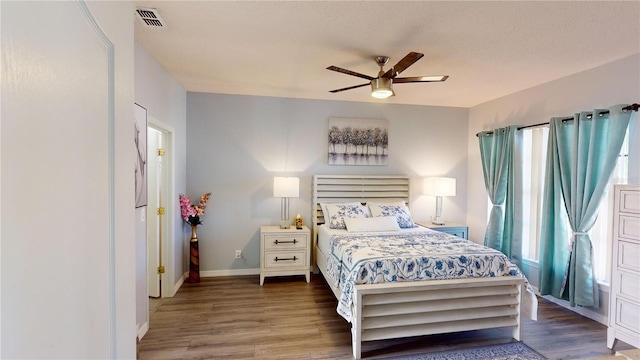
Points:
x=161 y=152
x=160 y=211
x=160 y=269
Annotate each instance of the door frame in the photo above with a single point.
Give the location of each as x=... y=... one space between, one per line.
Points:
x=167 y=246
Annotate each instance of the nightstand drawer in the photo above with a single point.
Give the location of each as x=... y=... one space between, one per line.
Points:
x=284 y=259
x=459 y=232
x=454 y=229
x=285 y=241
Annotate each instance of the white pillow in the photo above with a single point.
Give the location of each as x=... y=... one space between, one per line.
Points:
x=400 y=211
x=393 y=203
x=338 y=212
x=383 y=223
x=325 y=212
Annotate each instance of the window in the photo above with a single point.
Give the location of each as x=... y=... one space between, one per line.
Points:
x=534 y=148
x=534 y=155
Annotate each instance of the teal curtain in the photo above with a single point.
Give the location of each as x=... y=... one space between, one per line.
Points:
x=581 y=156
x=500 y=155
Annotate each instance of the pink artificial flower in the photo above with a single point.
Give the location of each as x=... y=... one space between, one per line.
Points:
x=191 y=213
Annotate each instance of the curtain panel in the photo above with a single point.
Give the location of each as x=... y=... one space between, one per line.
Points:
x=501 y=166
x=581 y=156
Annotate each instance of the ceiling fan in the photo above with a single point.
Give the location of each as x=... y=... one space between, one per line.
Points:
x=381 y=86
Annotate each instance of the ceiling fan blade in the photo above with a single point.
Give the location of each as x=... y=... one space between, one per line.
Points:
x=349 y=72
x=403 y=64
x=435 y=78
x=349 y=88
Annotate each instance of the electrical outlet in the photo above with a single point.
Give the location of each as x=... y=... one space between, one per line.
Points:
x=238 y=254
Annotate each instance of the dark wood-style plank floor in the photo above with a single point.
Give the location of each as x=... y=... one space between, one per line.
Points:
x=287 y=318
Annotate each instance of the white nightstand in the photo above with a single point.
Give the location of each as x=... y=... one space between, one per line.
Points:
x=458 y=230
x=284 y=252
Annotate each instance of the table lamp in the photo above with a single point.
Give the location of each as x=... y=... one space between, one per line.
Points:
x=285 y=188
x=439 y=187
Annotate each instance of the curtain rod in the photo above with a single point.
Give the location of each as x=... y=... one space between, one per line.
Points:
x=632 y=107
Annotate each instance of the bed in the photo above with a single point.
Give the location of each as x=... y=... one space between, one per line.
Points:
x=384 y=278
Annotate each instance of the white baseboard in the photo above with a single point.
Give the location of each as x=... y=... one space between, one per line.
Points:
x=142 y=330
x=230 y=272
x=586 y=312
x=602 y=319
x=178 y=284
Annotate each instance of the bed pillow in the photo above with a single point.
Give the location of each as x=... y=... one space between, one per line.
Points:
x=400 y=211
x=325 y=212
x=337 y=213
x=382 y=223
x=393 y=203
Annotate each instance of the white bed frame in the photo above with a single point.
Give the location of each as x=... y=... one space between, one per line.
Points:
x=395 y=310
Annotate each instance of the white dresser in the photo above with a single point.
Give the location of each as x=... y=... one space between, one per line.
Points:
x=284 y=252
x=624 y=300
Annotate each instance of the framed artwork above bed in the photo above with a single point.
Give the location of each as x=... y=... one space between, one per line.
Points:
x=358 y=141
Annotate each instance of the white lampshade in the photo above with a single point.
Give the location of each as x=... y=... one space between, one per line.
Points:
x=440 y=186
x=286 y=187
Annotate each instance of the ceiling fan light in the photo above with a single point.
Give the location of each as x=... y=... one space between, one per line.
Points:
x=381 y=88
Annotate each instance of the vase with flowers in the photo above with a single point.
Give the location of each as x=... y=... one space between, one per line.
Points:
x=191 y=214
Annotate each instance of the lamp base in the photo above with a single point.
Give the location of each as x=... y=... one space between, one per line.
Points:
x=285 y=224
x=437 y=219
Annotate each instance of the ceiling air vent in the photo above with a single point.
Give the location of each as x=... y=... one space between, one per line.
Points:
x=150 y=17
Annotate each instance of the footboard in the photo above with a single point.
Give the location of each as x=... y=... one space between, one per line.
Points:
x=386 y=311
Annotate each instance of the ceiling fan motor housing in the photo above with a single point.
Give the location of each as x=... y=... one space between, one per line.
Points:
x=381 y=87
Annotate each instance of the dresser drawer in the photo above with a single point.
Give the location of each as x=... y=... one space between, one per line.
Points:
x=628 y=255
x=285 y=241
x=629 y=201
x=629 y=287
x=628 y=315
x=629 y=227
x=285 y=259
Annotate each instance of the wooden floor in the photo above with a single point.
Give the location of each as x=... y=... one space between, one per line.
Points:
x=287 y=318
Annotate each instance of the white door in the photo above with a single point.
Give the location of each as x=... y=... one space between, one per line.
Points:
x=154 y=231
x=159 y=211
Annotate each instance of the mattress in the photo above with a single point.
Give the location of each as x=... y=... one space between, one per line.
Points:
x=416 y=254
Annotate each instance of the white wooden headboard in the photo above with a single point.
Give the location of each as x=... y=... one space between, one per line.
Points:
x=352 y=188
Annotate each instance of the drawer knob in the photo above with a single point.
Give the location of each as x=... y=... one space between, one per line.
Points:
x=286 y=259
x=294 y=241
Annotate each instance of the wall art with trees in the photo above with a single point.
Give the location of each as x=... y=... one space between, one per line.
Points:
x=358 y=141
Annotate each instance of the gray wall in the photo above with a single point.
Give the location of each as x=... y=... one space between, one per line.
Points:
x=165 y=100
x=236 y=144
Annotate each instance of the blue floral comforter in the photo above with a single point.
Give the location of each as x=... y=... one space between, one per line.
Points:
x=371 y=258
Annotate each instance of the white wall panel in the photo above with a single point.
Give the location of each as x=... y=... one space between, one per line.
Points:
x=67 y=215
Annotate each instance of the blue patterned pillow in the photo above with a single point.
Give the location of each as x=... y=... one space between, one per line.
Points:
x=401 y=212
x=338 y=212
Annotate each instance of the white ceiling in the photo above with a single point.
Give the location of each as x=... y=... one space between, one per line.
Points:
x=489 y=49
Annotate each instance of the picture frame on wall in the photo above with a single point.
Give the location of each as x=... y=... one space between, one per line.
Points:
x=140 y=142
x=358 y=141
